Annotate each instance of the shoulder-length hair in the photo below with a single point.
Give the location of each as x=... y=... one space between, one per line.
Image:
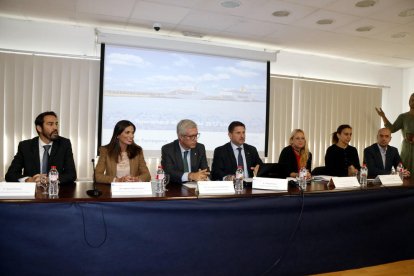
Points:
x=114 y=150
x=303 y=152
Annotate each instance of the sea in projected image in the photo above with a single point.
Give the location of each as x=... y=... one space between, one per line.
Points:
x=156 y=119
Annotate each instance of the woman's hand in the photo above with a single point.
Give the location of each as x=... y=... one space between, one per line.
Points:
x=380 y=112
x=352 y=171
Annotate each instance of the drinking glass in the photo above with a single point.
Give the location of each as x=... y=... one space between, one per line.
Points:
x=44 y=183
x=166 y=180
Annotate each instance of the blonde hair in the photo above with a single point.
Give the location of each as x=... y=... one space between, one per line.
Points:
x=303 y=152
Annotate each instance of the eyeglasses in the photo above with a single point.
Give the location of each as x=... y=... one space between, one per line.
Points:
x=192 y=137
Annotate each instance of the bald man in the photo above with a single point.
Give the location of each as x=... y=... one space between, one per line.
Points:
x=381 y=157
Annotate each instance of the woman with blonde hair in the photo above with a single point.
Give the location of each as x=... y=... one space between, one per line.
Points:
x=296 y=155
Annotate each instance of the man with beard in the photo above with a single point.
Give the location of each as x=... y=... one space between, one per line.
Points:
x=35 y=156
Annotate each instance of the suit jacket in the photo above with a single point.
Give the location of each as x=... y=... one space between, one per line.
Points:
x=27 y=159
x=373 y=160
x=225 y=163
x=105 y=171
x=288 y=157
x=172 y=160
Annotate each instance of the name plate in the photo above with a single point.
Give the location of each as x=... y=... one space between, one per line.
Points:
x=345 y=182
x=17 y=189
x=390 y=180
x=215 y=187
x=265 y=183
x=131 y=188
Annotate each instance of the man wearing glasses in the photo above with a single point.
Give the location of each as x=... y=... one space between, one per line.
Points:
x=184 y=159
x=234 y=154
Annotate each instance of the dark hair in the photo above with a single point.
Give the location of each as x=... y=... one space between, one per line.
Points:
x=339 y=131
x=40 y=119
x=235 y=124
x=114 y=150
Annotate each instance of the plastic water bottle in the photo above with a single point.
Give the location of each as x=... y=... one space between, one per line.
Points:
x=238 y=181
x=159 y=180
x=393 y=171
x=400 y=170
x=363 y=176
x=302 y=178
x=53 y=181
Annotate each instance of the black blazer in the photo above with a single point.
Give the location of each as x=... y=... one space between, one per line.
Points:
x=373 y=160
x=288 y=158
x=172 y=160
x=27 y=159
x=225 y=163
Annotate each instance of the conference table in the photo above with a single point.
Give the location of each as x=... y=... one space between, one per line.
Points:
x=255 y=232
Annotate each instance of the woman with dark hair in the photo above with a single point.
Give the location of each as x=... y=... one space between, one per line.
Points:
x=341 y=159
x=122 y=160
x=296 y=155
x=405 y=122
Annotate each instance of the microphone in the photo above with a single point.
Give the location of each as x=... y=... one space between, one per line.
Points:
x=94 y=192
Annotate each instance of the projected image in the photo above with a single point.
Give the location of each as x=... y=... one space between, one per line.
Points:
x=155 y=89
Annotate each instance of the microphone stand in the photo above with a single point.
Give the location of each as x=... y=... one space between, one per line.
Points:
x=94 y=192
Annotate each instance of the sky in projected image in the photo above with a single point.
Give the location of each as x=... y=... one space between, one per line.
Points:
x=155 y=89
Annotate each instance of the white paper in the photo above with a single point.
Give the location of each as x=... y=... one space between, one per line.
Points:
x=131 y=188
x=266 y=183
x=215 y=187
x=345 y=182
x=190 y=185
x=322 y=178
x=17 y=189
x=390 y=180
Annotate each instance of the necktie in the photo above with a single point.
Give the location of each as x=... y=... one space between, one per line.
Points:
x=185 y=161
x=240 y=158
x=45 y=159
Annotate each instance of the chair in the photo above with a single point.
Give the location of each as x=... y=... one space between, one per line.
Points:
x=319 y=171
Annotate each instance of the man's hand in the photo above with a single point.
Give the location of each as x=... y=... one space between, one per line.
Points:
x=201 y=175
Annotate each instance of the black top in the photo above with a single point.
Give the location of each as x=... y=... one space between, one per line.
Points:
x=288 y=157
x=337 y=160
x=225 y=163
x=26 y=162
x=172 y=160
x=373 y=160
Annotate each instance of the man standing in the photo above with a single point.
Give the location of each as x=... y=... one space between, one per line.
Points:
x=35 y=156
x=381 y=157
x=185 y=159
x=235 y=153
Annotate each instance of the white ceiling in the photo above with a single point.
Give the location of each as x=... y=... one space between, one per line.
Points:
x=252 y=23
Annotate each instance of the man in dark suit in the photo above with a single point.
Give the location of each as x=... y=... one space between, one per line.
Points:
x=381 y=157
x=35 y=156
x=235 y=153
x=185 y=159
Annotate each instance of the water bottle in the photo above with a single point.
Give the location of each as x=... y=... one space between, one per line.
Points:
x=53 y=181
x=400 y=170
x=238 y=181
x=302 y=178
x=363 y=176
x=159 y=180
x=393 y=172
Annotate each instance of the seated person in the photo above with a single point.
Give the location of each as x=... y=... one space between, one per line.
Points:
x=35 y=156
x=297 y=155
x=341 y=159
x=381 y=157
x=185 y=159
x=235 y=153
x=122 y=160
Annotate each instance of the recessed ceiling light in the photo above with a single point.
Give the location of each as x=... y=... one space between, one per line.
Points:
x=325 y=21
x=408 y=12
x=230 y=4
x=364 y=29
x=399 y=35
x=281 y=13
x=365 y=3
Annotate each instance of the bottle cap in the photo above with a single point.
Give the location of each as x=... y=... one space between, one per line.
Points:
x=53 y=167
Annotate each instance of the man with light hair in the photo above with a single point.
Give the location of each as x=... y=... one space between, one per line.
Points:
x=185 y=159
